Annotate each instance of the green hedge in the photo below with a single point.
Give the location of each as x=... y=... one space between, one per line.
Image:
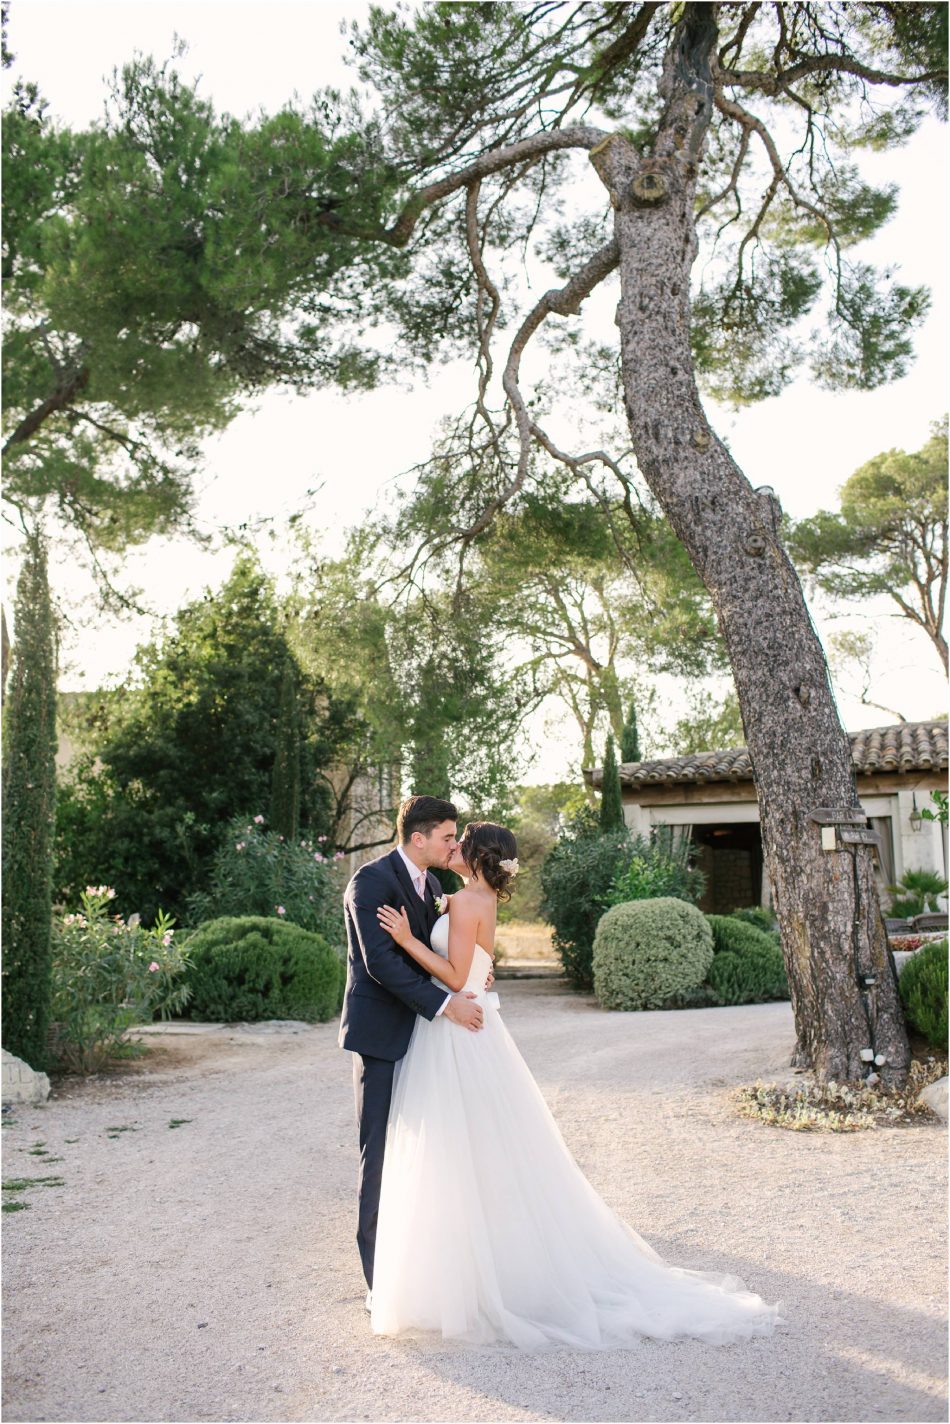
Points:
x=732 y=936
x=750 y=977
x=575 y=880
x=646 y=951
x=923 y=989
x=250 y=968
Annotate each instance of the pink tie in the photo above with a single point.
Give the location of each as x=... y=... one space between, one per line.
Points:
x=421 y=887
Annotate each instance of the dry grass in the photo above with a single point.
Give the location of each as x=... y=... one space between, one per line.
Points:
x=524 y=939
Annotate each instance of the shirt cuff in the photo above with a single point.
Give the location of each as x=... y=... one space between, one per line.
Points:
x=441 y=1010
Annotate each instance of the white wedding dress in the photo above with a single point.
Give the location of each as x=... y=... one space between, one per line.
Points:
x=488 y=1230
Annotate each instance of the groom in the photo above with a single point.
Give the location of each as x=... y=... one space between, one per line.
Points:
x=386 y=988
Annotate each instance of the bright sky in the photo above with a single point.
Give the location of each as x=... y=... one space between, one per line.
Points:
x=255 y=55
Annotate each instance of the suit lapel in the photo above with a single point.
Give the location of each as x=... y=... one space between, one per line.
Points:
x=414 y=906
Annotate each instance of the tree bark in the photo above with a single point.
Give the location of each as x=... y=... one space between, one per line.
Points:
x=841 y=973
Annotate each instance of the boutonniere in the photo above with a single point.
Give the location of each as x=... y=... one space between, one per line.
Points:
x=442 y=903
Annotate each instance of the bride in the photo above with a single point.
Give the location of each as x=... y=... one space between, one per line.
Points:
x=488 y=1230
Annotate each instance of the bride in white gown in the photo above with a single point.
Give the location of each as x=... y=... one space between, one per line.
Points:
x=488 y=1230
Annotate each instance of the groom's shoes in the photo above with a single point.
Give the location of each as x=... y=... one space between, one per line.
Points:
x=369 y=1300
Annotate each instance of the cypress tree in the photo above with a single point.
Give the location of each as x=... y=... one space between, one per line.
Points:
x=630 y=737
x=29 y=795
x=611 y=802
x=285 y=782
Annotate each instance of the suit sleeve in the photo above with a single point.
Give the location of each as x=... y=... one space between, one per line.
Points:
x=383 y=961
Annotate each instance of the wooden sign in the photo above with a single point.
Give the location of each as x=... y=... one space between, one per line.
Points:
x=838 y=816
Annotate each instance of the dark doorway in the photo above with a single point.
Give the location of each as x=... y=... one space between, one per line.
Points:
x=730 y=854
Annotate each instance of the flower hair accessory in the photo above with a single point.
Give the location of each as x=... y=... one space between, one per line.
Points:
x=511 y=866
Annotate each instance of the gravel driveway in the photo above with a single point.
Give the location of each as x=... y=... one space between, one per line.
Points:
x=209 y=1270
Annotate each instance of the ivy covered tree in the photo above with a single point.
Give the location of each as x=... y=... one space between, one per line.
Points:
x=890 y=537
x=29 y=793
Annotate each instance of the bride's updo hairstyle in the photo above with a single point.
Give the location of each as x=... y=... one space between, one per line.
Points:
x=483 y=847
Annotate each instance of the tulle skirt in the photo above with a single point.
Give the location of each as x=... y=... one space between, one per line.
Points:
x=489 y=1232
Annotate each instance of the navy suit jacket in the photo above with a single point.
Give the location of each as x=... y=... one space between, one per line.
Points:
x=385 y=987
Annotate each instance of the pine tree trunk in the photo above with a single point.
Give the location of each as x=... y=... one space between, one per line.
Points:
x=840 y=971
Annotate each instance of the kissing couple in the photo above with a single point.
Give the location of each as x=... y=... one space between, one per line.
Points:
x=475 y=1222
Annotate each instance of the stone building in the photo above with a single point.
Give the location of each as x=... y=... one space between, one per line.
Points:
x=710 y=798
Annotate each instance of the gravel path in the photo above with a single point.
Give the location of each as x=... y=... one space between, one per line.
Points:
x=209 y=1271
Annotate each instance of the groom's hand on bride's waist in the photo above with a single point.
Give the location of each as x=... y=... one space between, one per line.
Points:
x=463 y=1010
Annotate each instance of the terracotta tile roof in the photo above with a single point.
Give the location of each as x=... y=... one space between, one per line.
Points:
x=906 y=746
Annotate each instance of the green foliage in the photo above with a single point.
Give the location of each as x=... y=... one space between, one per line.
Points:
x=109 y=973
x=629 y=737
x=575 y=878
x=538 y=815
x=748 y=977
x=259 y=872
x=940 y=810
x=757 y=915
x=657 y=867
x=29 y=792
x=190 y=746
x=159 y=266
x=916 y=892
x=889 y=537
x=611 y=801
x=923 y=990
x=646 y=951
x=250 y=968
x=709 y=727
x=285 y=780
x=732 y=935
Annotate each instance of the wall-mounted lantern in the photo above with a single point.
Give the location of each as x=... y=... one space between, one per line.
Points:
x=916 y=819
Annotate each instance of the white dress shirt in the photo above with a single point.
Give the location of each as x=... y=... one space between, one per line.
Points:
x=418 y=878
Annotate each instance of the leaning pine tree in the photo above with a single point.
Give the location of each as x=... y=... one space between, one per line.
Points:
x=611 y=801
x=678 y=108
x=29 y=792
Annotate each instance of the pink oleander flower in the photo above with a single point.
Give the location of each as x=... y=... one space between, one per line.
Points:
x=241 y=845
x=154 y=966
x=318 y=857
x=167 y=938
x=339 y=855
x=280 y=909
x=258 y=820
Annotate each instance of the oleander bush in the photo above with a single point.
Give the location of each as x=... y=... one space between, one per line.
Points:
x=923 y=989
x=575 y=878
x=732 y=936
x=657 y=866
x=252 y=967
x=255 y=871
x=646 y=951
x=107 y=974
x=749 y=977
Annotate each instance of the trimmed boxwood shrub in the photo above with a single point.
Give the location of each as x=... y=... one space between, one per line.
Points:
x=645 y=951
x=731 y=936
x=749 y=977
x=923 y=989
x=250 y=968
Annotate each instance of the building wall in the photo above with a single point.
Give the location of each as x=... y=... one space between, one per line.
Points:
x=924 y=849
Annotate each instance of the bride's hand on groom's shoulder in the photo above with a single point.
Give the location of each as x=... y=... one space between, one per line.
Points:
x=396 y=923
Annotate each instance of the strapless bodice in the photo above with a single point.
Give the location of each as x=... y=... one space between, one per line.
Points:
x=481 y=960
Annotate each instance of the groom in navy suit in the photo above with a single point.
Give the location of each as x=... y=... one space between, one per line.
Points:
x=386 y=988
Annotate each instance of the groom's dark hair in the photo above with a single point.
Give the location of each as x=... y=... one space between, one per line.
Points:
x=423 y=813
